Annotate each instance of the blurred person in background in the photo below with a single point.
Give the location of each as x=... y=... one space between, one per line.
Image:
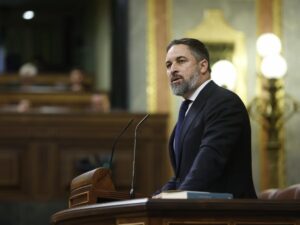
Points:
x=76 y=80
x=99 y=103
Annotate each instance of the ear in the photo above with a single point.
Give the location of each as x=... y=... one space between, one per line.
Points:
x=203 y=64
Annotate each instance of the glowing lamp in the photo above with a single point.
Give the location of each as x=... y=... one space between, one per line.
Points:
x=224 y=74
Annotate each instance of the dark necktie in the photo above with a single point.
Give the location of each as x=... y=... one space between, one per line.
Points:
x=183 y=108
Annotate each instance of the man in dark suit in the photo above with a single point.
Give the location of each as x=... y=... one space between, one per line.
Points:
x=210 y=150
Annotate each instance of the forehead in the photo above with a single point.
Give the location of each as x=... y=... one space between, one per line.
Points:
x=177 y=51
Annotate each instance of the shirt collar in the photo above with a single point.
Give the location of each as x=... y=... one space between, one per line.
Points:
x=195 y=94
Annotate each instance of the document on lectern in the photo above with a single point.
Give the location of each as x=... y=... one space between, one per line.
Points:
x=194 y=195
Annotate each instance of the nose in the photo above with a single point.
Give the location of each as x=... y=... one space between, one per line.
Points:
x=173 y=69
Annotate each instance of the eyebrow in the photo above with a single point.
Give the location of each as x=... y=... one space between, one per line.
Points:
x=178 y=57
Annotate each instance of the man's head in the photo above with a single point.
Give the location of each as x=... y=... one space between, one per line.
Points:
x=187 y=63
x=76 y=79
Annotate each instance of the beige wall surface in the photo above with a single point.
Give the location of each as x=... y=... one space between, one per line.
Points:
x=137 y=55
x=98 y=35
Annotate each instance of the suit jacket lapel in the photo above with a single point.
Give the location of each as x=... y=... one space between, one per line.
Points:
x=194 y=111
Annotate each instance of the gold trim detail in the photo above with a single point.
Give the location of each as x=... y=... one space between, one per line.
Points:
x=221 y=32
x=277 y=29
x=195 y=222
x=84 y=195
x=277 y=17
x=151 y=58
x=134 y=223
x=271 y=23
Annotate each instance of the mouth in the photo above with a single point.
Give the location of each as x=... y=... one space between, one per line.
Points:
x=176 y=80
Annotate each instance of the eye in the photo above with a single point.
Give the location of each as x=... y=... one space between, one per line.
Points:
x=181 y=60
x=168 y=65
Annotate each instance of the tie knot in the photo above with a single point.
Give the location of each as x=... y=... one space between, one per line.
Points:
x=184 y=106
x=186 y=102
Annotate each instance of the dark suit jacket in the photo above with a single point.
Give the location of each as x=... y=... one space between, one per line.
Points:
x=215 y=145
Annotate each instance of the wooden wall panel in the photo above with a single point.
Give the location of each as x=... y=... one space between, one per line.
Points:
x=9 y=167
x=41 y=153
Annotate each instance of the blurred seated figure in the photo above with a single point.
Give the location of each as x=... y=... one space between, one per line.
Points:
x=28 y=80
x=99 y=103
x=23 y=106
x=76 y=80
x=27 y=73
x=52 y=109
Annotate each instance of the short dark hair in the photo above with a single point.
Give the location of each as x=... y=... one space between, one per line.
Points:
x=198 y=49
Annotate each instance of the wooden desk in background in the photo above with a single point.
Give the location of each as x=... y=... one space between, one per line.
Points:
x=72 y=100
x=41 y=153
x=42 y=79
x=46 y=90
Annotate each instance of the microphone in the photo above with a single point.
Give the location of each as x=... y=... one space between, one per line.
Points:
x=132 y=192
x=116 y=141
x=98 y=180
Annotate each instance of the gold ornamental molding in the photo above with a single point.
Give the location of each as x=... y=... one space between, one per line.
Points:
x=151 y=58
x=158 y=27
x=269 y=19
x=214 y=31
x=277 y=18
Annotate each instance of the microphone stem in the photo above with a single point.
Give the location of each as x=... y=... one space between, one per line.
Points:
x=115 y=142
x=132 y=191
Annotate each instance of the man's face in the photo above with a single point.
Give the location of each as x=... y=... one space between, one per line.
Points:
x=183 y=70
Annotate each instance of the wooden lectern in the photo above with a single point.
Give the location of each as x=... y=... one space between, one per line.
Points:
x=183 y=212
x=92 y=187
x=96 y=186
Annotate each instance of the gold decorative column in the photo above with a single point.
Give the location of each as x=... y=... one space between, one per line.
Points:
x=158 y=92
x=272 y=155
x=158 y=35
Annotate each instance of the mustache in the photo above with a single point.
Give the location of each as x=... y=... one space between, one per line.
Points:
x=176 y=77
